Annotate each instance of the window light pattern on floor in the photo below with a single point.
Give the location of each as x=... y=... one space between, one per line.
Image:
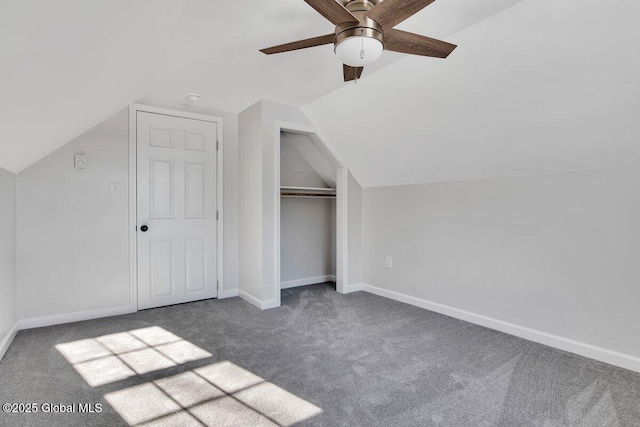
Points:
x=115 y=357
x=220 y=394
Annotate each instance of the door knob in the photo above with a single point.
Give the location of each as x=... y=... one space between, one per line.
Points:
x=144 y=228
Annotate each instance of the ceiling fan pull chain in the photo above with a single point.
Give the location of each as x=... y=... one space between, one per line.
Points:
x=362 y=44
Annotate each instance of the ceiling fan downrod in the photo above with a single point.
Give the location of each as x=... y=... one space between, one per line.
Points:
x=364 y=29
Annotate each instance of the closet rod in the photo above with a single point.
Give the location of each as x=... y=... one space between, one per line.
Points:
x=308 y=195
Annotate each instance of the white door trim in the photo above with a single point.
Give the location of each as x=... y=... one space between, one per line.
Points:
x=133 y=196
x=342 y=230
x=342 y=223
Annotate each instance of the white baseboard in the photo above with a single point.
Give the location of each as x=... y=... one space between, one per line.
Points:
x=308 y=281
x=228 y=293
x=250 y=299
x=7 y=340
x=587 y=350
x=262 y=305
x=354 y=287
x=272 y=303
x=78 y=316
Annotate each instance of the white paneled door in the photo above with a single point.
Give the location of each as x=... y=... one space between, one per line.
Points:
x=176 y=209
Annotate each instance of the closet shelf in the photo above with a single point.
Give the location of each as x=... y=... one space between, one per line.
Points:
x=283 y=188
x=308 y=192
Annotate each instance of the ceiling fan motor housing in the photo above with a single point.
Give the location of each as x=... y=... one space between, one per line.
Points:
x=365 y=28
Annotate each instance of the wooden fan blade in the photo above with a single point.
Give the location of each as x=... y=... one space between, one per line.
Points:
x=332 y=10
x=415 y=44
x=300 y=44
x=351 y=73
x=390 y=13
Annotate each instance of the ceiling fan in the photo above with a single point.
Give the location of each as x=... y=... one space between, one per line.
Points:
x=364 y=29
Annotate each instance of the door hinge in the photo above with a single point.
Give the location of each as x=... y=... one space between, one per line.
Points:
x=218 y=285
x=217 y=215
x=217 y=145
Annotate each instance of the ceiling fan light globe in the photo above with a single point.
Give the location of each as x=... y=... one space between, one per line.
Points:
x=359 y=51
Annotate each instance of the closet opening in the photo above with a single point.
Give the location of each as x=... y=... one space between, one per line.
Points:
x=308 y=213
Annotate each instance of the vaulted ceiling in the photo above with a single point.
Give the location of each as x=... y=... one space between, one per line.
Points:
x=67 y=65
x=536 y=86
x=215 y=50
x=546 y=86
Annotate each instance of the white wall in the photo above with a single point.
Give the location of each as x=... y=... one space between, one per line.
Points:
x=333 y=267
x=295 y=171
x=558 y=253
x=319 y=157
x=306 y=239
x=258 y=147
x=271 y=113
x=73 y=240
x=258 y=163
x=250 y=202
x=73 y=253
x=8 y=299
x=307 y=226
x=354 y=231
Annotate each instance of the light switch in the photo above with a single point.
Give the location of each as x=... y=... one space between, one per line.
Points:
x=114 y=189
x=388 y=262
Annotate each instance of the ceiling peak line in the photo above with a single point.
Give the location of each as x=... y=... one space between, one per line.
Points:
x=166 y=49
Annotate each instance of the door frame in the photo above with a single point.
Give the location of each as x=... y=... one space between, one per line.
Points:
x=342 y=208
x=133 y=192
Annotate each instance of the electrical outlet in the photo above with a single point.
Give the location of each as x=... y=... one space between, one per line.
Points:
x=388 y=262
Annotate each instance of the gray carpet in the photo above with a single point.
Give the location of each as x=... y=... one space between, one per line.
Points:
x=358 y=359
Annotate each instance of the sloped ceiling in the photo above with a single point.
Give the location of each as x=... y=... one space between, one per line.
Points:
x=543 y=87
x=315 y=155
x=535 y=86
x=215 y=50
x=67 y=65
